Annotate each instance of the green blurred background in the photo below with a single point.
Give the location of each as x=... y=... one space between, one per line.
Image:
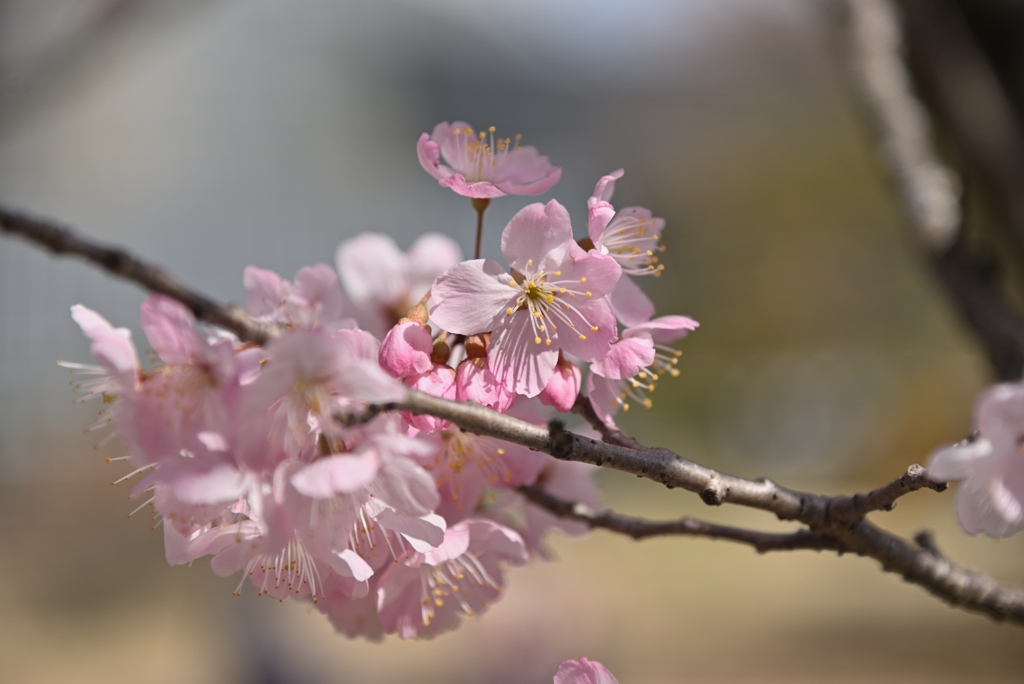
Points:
x=209 y=135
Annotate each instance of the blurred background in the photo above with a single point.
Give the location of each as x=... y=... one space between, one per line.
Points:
x=208 y=135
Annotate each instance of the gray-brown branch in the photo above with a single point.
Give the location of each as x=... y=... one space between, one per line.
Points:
x=838 y=517
x=638 y=528
x=61 y=240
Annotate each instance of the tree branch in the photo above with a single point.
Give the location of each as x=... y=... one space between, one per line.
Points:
x=638 y=528
x=929 y=190
x=119 y=262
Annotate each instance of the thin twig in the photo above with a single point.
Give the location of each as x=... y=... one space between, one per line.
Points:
x=119 y=262
x=638 y=528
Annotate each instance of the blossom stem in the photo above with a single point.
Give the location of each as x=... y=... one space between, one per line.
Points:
x=480 y=204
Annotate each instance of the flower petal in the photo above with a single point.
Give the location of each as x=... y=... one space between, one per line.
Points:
x=472 y=297
x=540 y=233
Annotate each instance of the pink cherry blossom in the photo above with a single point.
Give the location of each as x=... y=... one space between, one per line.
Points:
x=481 y=165
x=555 y=301
x=383 y=283
x=568 y=480
x=635 y=363
x=314 y=298
x=563 y=387
x=406 y=350
x=630 y=236
x=308 y=377
x=583 y=671
x=991 y=500
x=430 y=592
x=466 y=464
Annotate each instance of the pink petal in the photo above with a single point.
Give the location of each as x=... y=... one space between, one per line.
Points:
x=664 y=329
x=318 y=285
x=430 y=256
x=583 y=671
x=372 y=268
x=331 y=475
x=475 y=382
x=265 y=292
x=599 y=216
x=168 y=326
x=439 y=382
x=595 y=274
x=479 y=190
x=552 y=175
x=111 y=346
x=472 y=297
x=605 y=187
x=406 y=350
x=563 y=387
x=583 y=341
x=604 y=397
x=516 y=359
x=627 y=356
x=629 y=302
x=540 y=233
x=428 y=153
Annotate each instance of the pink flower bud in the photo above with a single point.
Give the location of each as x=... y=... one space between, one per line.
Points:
x=406 y=350
x=439 y=381
x=563 y=387
x=476 y=382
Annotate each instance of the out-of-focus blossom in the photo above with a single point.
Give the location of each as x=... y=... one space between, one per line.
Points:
x=555 y=299
x=383 y=283
x=428 y=594
x=991 y=500
x=482 y=166
x=583 y=671
x=313 y=299
x=476 y=382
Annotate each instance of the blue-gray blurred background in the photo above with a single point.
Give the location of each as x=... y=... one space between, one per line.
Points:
x=208 y=135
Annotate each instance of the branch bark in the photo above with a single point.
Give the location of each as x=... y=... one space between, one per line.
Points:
x=928 y=189
x=61 y=240
x=638 y=528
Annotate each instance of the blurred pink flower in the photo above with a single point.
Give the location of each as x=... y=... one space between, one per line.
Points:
x=383 y=283
x=583 y=671
x=481 y=166
x=428 y=594
x=406 y=350
x=991 y=500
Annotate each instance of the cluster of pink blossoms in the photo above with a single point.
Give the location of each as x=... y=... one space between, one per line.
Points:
x=405 y=523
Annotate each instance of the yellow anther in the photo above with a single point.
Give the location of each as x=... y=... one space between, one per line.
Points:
x=509 y=311
x=588 y=295
x=583 y=337
x=583 y=279
x=529 y=262
x=537 y=340
x=647 y=403
x=558 y=273
x=492 y=129
x=593 y=328
x=548 y=343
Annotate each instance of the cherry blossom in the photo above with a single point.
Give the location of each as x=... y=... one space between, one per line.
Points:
x=428 y=594
x=583 y=671
x=630 y=236
x=555 y=299
x=991 y=500
x=482 y=166
x=313 y=299
x=383 y=283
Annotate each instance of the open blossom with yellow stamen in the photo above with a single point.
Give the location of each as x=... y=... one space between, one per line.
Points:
x=554 y=299
x=480 y=165
x=630 y=236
